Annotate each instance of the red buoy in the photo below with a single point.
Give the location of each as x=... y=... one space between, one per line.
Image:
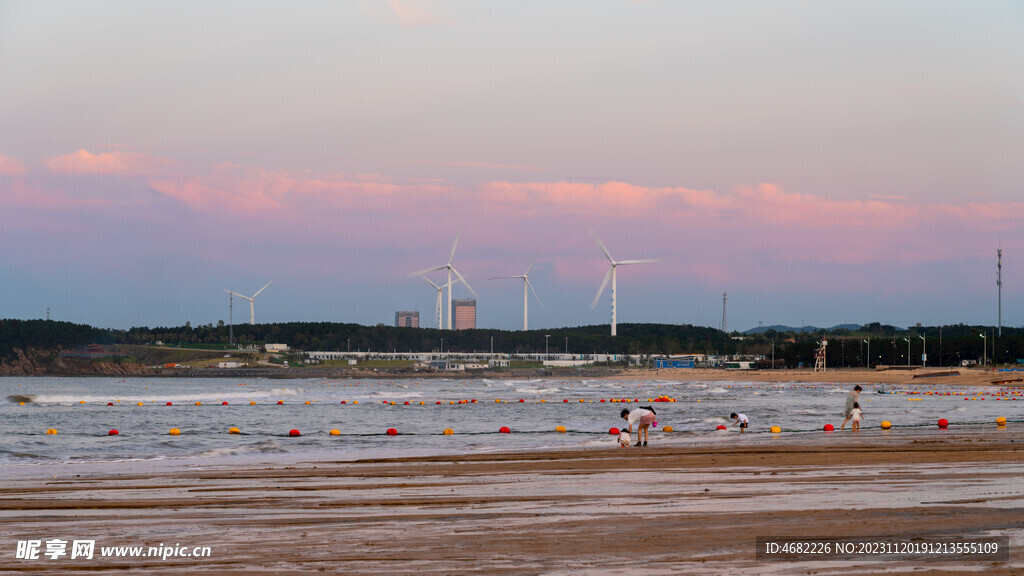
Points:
x=392 y=432
x=521 y=400
x=438 y=401
x=294 y=432
x=505 y=430
x=280 y=401
x=565 y=399
x=113 y=432
x=342 y=401
x=169 y=404
x=943 y=423
x=614 y=431
x=110 y=403
x=721 y=427
x=406 y=402
x=602 y=399
x=829 y=427
x=224 y=403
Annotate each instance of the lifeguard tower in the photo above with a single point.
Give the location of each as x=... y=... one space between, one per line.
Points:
x=819 y=356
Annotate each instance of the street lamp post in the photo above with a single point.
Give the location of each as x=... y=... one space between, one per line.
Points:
x=984 y=350
x=567 y=345
x=908 y=352
x=442 y=347
x=924 y=352
x=546 y=337
x=868 y=359
x=773 y=353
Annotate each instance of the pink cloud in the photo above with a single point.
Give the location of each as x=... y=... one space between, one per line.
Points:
x=117 y=162
x=10 y=166
x=413 y=13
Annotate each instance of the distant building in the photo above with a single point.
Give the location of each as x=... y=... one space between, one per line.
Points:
x=465 y=313
x=406 y=319
x=276 y=348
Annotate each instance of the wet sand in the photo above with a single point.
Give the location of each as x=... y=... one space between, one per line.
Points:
x=663 y=510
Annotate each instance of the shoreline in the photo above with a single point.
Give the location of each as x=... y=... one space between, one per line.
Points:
x=670 y=509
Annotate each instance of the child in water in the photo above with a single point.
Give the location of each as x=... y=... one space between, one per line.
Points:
x=856 y=414
x=740 y=419
x=624 y=438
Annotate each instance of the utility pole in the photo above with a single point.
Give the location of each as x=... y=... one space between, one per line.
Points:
x=999 y=286
x=724 y=298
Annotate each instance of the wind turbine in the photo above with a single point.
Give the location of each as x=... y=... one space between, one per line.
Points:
x=450 y=269
x=440 y=306
x=611 y=274
x=526 y=284
x=252 y=301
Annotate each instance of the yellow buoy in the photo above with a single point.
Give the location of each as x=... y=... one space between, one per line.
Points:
x=1001 y=421
x=234 y=431
x=886 y=425
x=543 y=400
x=51 y=431
x=776 y=429
x=667 y=429
x=448 y=431
x=560 y=429
x=21 y=403
x=335 y=432
x=174 y=432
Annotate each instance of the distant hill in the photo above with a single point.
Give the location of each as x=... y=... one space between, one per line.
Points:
x=782 y=328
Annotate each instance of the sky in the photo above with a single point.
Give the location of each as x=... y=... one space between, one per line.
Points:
x=820 y=162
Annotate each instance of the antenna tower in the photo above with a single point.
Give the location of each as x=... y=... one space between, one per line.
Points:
x=724 y=298
x=999 y=285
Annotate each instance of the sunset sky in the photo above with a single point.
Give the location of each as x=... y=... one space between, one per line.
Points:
x=822 y=162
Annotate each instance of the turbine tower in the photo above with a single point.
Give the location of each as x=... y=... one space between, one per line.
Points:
x=440 y=307
x=611 y=274
x=252 y=301
x=526 y=284
x=451 y=269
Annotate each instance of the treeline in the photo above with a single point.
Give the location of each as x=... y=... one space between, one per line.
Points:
x=888 y=345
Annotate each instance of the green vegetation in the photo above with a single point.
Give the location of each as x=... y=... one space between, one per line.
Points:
x=208 y=344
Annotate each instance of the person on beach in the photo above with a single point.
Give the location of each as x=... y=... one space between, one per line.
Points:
x=856 y=415
x=624 y=438
x=643 y=417
x=740 y=419
x=851 y=399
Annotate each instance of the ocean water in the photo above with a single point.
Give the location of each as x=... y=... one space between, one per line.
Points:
x=77 y=408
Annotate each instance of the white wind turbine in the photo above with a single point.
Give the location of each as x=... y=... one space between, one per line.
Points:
x=252 y=301
x=440 y=306
x=526 y=284
x=611 y=274
x=451 y=269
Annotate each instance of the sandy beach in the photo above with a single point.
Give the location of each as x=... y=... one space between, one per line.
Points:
x=664 y=510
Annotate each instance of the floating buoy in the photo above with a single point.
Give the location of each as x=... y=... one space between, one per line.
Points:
x=307 y=402
x=521 y=400
x=224 y=403
x=560 y=429
x=280 y=401
x=139 y=404
x=829 y=428
x=169 y=404
x=943 y=423
x=174 y=432
x=342 y=401
x=253 y=402
x=886 y=425
x=565 y=399
x=199 y=403
x=113 y=432
x=438 y=401
x=775 y=430
x=81 y=401
x=448 y=432
x=335 y=432
x=613 y=431
x=51 y=431
x=406 y=402
x=108 y=403
x=721 y=427
x=392 y=432
x=1001 y=421
x=294 y=432
x=668 y=429
x=505 y=430
x=543 y=401
x=234 y=430
x=355 y=401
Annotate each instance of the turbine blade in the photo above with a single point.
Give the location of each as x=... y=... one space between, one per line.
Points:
x=601 y=244
x=534 y=292
x=464 y=282
x=452 y=256
x=431 y=282
x=497 y=277
x=639 y=261
x=262 y=289
x=532 y=262
x=422 y=272
x=607 y=277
